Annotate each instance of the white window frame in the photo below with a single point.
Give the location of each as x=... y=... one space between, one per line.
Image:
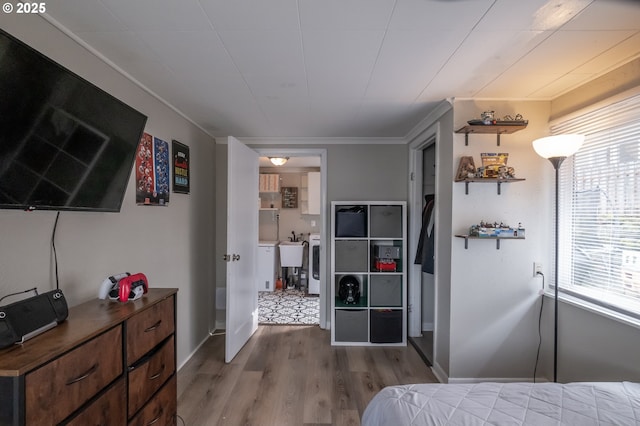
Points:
x=603 y=129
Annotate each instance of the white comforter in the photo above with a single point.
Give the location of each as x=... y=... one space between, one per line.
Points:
x=540 y=404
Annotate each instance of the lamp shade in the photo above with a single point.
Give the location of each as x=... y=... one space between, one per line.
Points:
x=278 y=161
x=558 y=146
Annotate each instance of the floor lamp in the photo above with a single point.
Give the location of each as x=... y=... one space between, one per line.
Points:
x=556 y=149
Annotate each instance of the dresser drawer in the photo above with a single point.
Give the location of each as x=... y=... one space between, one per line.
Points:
x=147 y=376
x=161 y=410
x=148 y=328
x=60 y=387
x=108 y=410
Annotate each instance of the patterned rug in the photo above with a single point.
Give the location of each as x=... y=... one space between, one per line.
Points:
x=289 y=307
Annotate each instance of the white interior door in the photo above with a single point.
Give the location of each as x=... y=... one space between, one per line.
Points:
x=242 y=246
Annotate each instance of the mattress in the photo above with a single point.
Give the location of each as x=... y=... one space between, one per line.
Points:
x=540 y=404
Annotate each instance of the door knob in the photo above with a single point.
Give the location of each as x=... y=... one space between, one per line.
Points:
x=236 y=257
x=226 y=258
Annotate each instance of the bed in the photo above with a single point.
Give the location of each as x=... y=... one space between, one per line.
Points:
x=541 y=404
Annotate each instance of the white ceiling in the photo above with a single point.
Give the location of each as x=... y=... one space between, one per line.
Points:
x=350 y=68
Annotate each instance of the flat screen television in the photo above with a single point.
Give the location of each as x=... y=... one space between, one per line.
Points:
x=65 y=144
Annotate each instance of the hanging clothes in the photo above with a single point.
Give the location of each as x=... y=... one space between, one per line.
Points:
x=425 y=252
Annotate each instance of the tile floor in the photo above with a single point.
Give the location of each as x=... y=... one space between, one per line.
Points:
x=288 y=307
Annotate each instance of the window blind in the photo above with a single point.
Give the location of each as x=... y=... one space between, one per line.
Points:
x=599 y=208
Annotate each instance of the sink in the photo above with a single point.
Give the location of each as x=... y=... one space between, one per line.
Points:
x=291 y=254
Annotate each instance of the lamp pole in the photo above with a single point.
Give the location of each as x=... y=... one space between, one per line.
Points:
x=556 y=161
x=556 y=149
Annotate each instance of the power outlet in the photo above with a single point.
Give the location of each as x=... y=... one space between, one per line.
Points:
x=537 y=268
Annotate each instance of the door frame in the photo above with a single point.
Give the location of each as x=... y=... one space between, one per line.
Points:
x=422 y=135
x=416 y=148
x=322 y=153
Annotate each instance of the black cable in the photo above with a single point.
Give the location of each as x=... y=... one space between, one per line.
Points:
x=181 y=419
x=535 y=368
x=53 y=245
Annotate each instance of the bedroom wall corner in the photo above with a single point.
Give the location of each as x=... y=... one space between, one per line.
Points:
x=494 y=298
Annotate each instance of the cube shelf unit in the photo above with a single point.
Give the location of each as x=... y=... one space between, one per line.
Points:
x=369 y=247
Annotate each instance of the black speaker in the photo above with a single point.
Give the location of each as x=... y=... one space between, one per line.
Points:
x=7 y=335
x=59 y=304
x=27 y=318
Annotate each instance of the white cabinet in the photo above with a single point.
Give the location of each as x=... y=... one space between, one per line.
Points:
x=368 y=273
x=267 y=266
x=269 y=183
x=310 y=193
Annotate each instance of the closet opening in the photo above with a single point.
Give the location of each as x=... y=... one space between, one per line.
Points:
x=422 y=290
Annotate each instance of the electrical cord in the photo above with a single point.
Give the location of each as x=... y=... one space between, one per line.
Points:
x=535 y=368
x=55 y=254
x=55 y=260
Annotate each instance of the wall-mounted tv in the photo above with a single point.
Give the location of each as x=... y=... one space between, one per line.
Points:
x=65 y=144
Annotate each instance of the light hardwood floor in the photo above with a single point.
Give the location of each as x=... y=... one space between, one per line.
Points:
x=290 y=375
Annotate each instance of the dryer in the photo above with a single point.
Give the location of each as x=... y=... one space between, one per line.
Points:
x=314 y=264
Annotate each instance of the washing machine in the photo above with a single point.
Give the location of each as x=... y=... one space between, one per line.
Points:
x=314 y=264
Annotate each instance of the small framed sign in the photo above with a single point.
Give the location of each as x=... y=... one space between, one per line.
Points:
x=181 y=175
x=289 y=197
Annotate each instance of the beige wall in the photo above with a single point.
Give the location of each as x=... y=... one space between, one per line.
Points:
x=172 y=245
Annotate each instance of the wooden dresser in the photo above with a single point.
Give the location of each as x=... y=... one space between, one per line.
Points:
x=109 y=363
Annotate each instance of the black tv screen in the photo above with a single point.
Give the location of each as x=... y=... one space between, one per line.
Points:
x=65 y=144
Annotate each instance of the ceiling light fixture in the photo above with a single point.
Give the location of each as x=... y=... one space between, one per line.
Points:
x=278 y=161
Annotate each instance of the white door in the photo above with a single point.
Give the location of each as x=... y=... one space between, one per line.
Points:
x=242 y=246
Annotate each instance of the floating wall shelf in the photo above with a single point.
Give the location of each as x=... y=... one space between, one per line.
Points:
x=471 y=237
x=496 y=129
x=488 y=180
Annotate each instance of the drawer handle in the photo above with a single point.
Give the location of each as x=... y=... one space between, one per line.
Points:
x=153 y=327
x=157 y=418
x=83 y=376
x=155 y=376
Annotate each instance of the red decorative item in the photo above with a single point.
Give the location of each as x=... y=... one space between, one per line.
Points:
x=385 y=265
x=132 y=287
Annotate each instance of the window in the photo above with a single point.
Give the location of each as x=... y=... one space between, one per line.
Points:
x=599 y=228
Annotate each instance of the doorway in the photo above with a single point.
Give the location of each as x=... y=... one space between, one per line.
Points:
x=424 y=254
x=292 y=213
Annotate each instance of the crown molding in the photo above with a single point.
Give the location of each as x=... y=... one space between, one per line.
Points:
x=322 y=141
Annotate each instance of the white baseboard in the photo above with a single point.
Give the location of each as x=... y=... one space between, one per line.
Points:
x=427 y=326
x=440 y=374
x=193 y=353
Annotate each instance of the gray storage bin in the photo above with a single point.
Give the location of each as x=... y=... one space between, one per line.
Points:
x=386 y=326
x=351 y=256
x=351 y=221
x=385 y=221
x=385 y=290
x=351 y=325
